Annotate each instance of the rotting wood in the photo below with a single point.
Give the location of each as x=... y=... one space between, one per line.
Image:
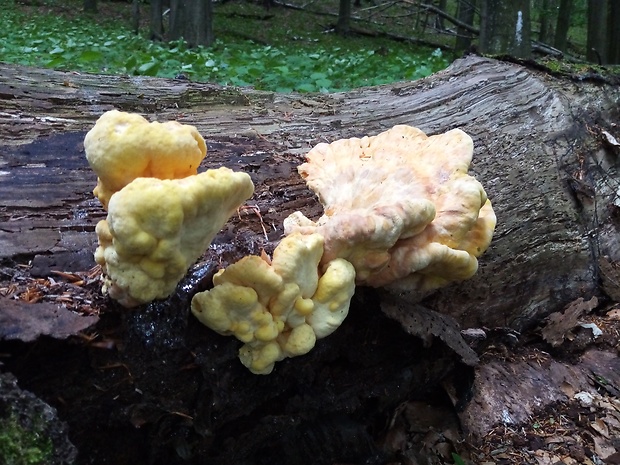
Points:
x=534 y=143
x=552 y=180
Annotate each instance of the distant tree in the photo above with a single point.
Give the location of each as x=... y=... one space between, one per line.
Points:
x=465 y=14
x=560 y=40
x=547 y=9
x=192 y=20
x=90 y=6
x=135 y=16
x=505 y=27
x=596 y=48
x=613 y=33
x=157 y=25
x=344 y=17
x=439 y=22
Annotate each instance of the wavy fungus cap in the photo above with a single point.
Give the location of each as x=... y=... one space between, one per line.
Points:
x=156 y=229
x=400 y=207
x=278 y=307
x=124 y=146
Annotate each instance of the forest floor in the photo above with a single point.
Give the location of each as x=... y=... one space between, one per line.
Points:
x=272 y=23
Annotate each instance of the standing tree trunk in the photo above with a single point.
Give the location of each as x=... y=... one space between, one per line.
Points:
x=192 y=20
x=563 y=24
x=157 y=24
x=135 y=16
x=439 y=20
x=344 y=17
x=90 y=6
x=596 y=48
x=465 y=14
x=505 y=27
x=547 y=8
x=613 y=33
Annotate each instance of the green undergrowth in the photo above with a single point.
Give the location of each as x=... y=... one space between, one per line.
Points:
x=312 y=62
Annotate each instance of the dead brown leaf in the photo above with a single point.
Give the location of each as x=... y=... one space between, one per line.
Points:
x=26 y=321
x=559 y=324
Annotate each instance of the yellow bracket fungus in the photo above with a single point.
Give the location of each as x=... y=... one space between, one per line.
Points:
x=156 y=229
x=400 y=210
x=162 y=215
x=124 y=146
x=400 y=207
x=278 y=308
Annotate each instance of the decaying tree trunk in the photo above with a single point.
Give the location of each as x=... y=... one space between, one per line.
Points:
x=543 y=150
x=540 y=152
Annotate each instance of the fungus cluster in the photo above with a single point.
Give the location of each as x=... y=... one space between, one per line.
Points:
x=400 y=207
x=162 y=215
x=400 y=210
x=278 y=307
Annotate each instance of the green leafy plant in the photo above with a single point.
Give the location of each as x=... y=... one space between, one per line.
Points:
x=80 y=44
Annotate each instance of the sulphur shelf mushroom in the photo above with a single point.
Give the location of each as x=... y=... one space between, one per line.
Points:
x=400 y=206
x=278 y=307
x=124 y=146
x=162 y=214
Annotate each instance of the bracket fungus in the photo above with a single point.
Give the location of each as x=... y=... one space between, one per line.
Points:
x=400 y=207
x=400 y=210
x=278 y=307
x=124 y=146
x=155 y=228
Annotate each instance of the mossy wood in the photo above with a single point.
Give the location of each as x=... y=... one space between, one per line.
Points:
x=172 y=388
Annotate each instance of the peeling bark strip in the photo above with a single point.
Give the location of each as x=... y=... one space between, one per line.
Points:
x=536 y=154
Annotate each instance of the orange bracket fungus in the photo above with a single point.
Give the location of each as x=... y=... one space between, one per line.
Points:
x=400 y=207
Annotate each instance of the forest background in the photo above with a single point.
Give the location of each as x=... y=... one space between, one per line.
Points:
x=301 y=45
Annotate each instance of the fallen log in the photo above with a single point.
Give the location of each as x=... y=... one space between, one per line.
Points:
x=157 y=386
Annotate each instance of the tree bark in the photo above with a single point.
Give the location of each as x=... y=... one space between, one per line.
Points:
x=90 y=6
x=505 y=27
x=596 y=47
x=343 y=25
x=465 y=14
x=135 y=16
x=439 y=20
x=171 y=388
x=192 y=21
x=613 y=33
x=157 y=25
x=546 y=14
x=563 y=23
